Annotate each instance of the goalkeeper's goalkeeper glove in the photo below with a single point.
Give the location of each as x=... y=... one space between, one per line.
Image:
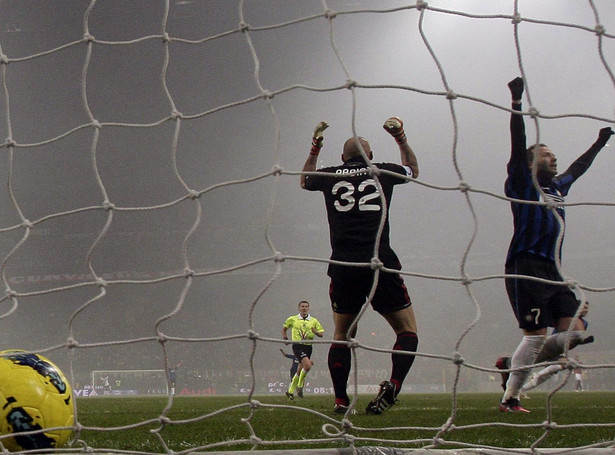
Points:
x=317 y=138
x=395 y=127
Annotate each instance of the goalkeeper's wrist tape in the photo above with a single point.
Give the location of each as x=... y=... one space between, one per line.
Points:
x=400 y=137
x=316 y=146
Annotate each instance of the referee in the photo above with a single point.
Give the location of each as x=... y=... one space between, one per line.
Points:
x=302 y=327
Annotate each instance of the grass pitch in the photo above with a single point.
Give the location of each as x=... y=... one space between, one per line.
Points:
x=233 y=424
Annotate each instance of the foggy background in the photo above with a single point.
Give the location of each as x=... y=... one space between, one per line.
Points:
x=230 y=133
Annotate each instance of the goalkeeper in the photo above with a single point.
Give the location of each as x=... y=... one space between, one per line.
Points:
x=357 y=204
x=534 y=250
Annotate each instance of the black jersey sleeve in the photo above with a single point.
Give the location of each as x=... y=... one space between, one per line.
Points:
x=582 y=163
x=518 y=141
x=315 y=182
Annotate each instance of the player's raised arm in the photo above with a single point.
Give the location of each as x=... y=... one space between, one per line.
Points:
x=395 y=127
x=582 y=163
x=517 y=125
x=310 y=162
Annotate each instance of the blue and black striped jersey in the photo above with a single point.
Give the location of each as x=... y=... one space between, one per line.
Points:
x=536 y=226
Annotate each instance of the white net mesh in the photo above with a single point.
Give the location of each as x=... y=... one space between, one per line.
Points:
x=151 y=212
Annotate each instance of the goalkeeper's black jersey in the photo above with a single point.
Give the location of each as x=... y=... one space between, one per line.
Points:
x=355 y=209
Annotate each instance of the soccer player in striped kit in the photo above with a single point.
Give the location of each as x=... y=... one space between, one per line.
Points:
x=534 y=249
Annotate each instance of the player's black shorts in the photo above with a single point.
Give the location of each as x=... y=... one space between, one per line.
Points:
x=350 y=287
x=538 y=305
x=302 y=350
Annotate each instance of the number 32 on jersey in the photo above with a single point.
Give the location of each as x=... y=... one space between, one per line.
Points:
x=367 y=192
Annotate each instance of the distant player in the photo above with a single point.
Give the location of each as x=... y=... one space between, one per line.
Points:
x=357 y=204
x=293 y=366
x=173 y=377
x=303 y=327
x=106 y=385
x=578 y=377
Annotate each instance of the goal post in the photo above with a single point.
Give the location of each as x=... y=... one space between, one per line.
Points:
x=128 y=382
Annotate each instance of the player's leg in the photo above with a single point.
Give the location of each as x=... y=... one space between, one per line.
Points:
x=524 y=355
x=347 y=292
x=393 y=303
x=294 y=368
x=529 y=302
x=403 y=323
x=306 y=366
x=339 y=360
x=293 y=385
x=299 y=354
x=541 y=376
x=555 y=345
x=306 y=363
x=503 y=363
x=579 y=382
x=569 y=328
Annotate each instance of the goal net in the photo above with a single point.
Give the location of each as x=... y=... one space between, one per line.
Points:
x=153 y=232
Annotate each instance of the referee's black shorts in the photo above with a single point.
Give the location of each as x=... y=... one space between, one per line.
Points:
x=302 y=350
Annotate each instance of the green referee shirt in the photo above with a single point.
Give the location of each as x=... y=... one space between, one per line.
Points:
x=301 y=329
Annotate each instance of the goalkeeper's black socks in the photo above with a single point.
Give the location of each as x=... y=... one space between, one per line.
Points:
x=407 y=341
x=339 y=368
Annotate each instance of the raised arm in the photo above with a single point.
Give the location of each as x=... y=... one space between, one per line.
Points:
x=395 y=127
x=310 y=162
x=518 y=153
x=582 y=163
